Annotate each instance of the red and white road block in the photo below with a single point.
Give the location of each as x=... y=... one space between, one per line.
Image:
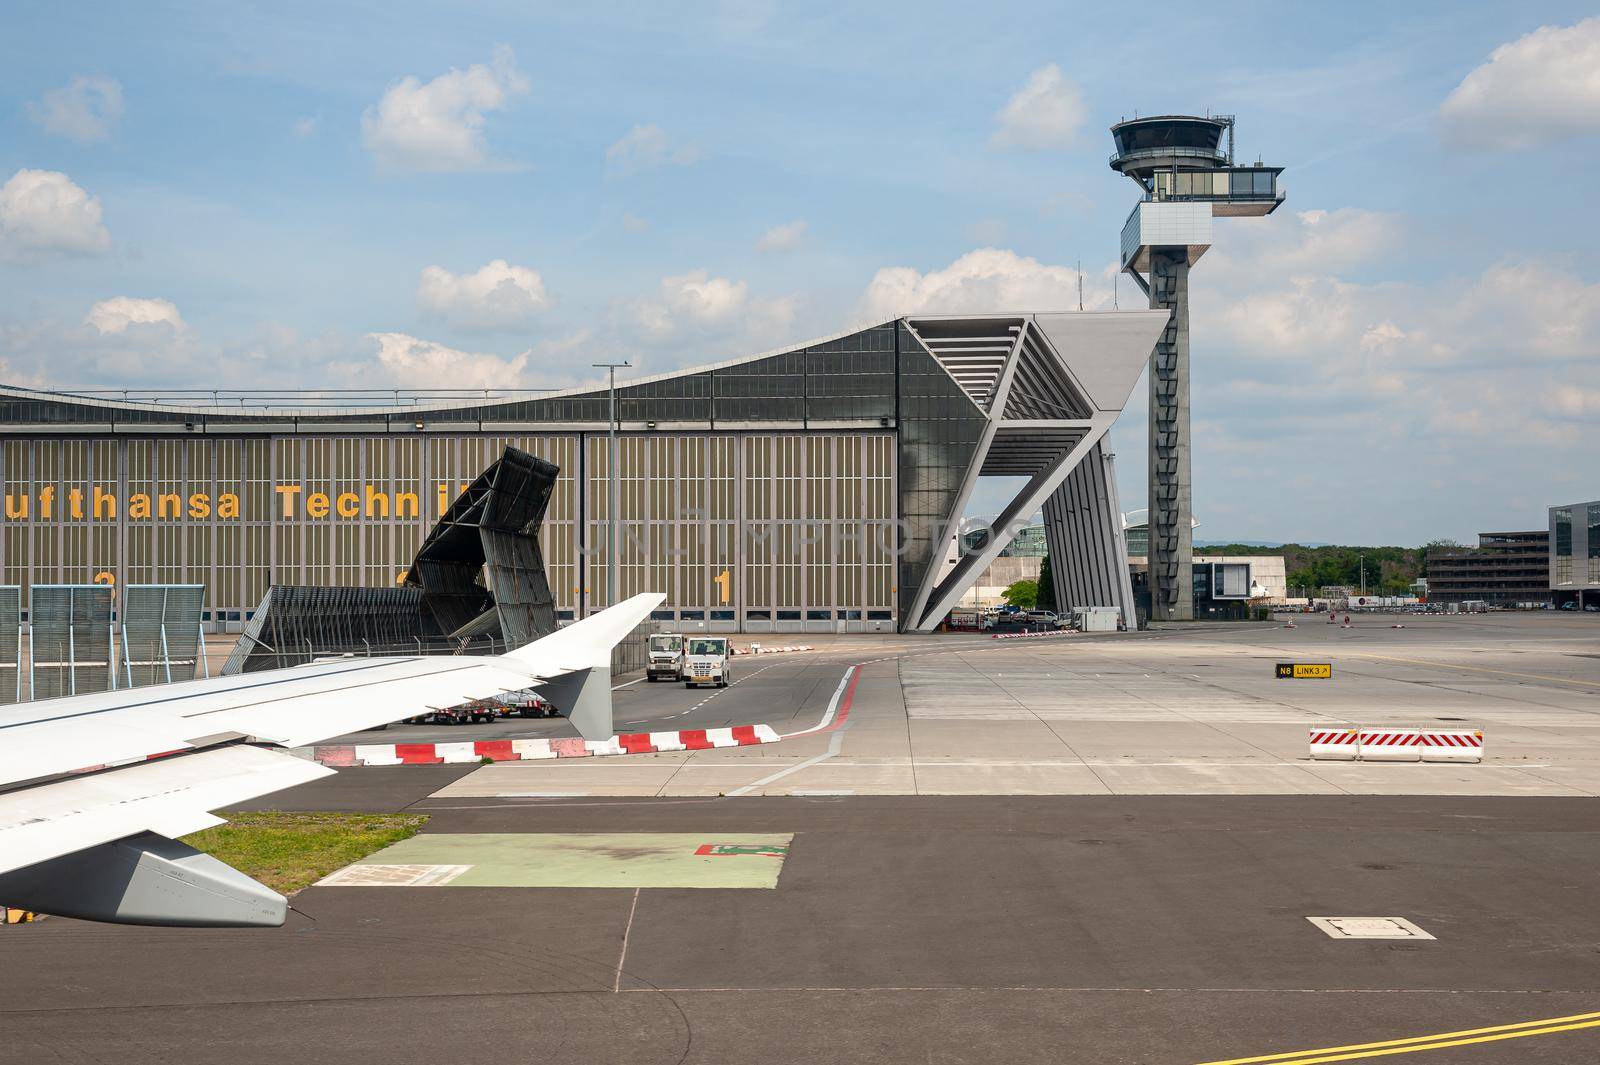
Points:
x=1397 y=745
x=761 y=649
x=367 y=754
x=1032 y=635
x=1336 y=745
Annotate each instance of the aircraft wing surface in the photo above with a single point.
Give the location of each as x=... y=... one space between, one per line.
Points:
x=81 y=846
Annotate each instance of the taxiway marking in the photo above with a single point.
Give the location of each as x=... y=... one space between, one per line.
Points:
x=842 y=697
x=1475 y=669
x=1419 y=1043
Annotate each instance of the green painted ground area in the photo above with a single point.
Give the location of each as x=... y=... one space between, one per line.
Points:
x=561 y=860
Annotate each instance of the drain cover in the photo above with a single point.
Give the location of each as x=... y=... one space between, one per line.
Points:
x=1369 y=928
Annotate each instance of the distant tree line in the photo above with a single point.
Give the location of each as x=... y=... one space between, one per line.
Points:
x=1389 y=570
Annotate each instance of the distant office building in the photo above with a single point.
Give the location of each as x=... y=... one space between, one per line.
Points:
x=1028 y=543
x=1505 y=569
x=1574 y=553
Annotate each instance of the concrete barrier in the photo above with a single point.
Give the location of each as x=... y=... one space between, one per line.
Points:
x=1335 y=745
x=1396 y=745
x=1451 y=745
x=1389 y=745
x=536 y=750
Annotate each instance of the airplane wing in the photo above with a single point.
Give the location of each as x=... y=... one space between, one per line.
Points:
x=101 y=843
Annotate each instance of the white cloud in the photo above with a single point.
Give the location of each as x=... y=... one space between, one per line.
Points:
x=496 y=296
x=1045 y=113
x=1540 y=88
x=784 y=237
x=84 y=110
x=695 y=305
x=633 y=223
x=116 y=314
x=43 y=212
x=425 y=364
x=988 y=279
x=648 y=148
x=399 y=360
x=439 y=125
x=305 y=127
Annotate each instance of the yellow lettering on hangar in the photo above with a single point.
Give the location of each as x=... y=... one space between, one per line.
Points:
x=96 y=502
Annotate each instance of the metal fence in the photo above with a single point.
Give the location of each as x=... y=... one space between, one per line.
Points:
x=10 y=643
x=161 y=640
x=70 y=642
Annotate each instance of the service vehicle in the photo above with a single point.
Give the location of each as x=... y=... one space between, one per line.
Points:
x=1041 y=619
x=527 y=704
x=666 y=657
x=705 y=661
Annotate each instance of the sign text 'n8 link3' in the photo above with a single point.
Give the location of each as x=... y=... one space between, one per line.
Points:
x=1305 y=670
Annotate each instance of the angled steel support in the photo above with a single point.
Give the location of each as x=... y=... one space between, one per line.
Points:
x=952 y=523
x=949 y=590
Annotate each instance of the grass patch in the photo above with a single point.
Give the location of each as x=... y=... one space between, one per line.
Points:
x=289 y=851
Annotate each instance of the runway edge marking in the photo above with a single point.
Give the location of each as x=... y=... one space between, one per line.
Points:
x=469 y=751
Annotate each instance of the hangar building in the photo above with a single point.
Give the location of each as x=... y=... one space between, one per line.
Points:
x=812 y=488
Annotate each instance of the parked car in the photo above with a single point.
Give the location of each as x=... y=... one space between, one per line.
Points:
x=1043 y=619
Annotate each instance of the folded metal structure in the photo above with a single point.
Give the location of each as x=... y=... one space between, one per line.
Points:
x=477 y=585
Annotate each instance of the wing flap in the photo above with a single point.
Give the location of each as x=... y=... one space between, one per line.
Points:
x=171 y=797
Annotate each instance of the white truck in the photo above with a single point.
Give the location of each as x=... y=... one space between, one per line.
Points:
x=666 y=657
x=706 y=661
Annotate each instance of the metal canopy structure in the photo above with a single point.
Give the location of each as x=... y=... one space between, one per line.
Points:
x=477 y=585
x=480 y=569
x=1032 y=416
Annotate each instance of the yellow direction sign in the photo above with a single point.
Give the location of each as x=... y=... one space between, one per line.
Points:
x=1305 y=670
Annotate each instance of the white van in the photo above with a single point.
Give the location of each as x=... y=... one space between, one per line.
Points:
x=666 y=657
x=705 y=661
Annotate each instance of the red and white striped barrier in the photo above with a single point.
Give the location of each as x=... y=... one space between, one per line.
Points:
x=1335 y=745
x=1397 y=745
x=368 y=754
x=760 y=650
x=1032 y=635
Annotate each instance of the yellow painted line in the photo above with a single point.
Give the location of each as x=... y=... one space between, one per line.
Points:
x=1478 y=669
x=1423 y=1042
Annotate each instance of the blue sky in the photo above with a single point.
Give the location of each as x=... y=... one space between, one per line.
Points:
x=382 y=195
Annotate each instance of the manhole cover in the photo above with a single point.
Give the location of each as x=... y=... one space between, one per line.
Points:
x=1369 y=928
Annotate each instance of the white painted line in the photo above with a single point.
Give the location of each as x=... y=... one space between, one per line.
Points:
x=833 y=707
x=626 y=932
x=834 y=744
x=629 y=684
x=541 y=794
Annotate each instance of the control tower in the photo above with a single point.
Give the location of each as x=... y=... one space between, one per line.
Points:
x=1184 y=166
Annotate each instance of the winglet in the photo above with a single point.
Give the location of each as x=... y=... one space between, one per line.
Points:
x=576 y=662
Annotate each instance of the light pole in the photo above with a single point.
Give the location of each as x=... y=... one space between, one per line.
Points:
x=1363 y=560
x=614 y=493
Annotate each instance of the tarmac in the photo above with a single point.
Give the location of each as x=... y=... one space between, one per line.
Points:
x=1194 y=709
x=988 y=929
x=1121 y=868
